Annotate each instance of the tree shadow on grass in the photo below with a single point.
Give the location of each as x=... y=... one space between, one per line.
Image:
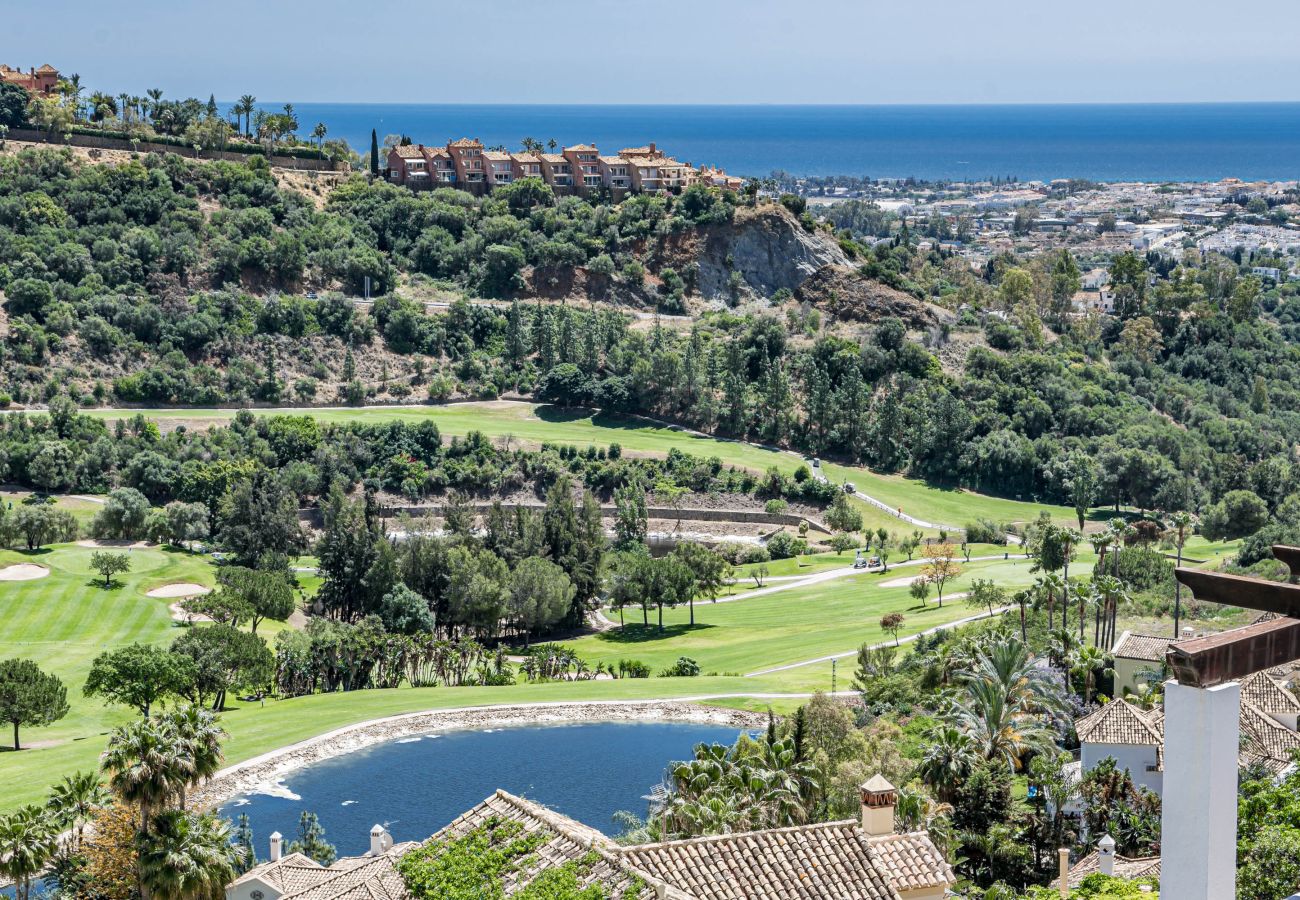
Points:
x=39 y=551
x=113 y=585
x=552 y=413
x=636 y=633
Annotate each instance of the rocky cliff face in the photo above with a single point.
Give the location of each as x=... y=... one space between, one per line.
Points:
x=770 y=250
x=845 y=294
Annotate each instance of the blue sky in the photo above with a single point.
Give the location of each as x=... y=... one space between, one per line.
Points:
x=712 y=51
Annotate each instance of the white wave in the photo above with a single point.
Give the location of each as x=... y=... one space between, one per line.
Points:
x=410 y=740
x=347 y=803
x=276 y=789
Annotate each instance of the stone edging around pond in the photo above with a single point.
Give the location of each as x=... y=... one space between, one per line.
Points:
x=254 y=773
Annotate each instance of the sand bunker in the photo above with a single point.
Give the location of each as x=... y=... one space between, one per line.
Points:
x=900 y=582
x=179 y=589
x=23 y=572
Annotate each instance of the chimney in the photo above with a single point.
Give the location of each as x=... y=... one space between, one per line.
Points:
x=1106 y=855
x=879 y=798
x=652 y=148
x=1188 y=632
x=380 y=841
x=277 y=842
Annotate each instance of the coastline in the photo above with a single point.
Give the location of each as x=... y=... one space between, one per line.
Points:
x=265 y=769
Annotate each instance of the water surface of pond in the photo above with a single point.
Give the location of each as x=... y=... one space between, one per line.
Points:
x=418 y=784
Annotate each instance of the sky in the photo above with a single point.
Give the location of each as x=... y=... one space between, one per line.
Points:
x=698 y=51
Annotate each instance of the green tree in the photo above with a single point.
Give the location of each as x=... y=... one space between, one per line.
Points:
x=266 y=595
x=223 y=659
x=842 y=516
x=708 y=568
x=109 y=564
x=311 y=840
x=74 y=800
x=1238 y=514
x=28 y=841
x=540 y=595
x=138 y=676
x=29 y=696
x=630 y=516
x=259 y=520
x=186 y=856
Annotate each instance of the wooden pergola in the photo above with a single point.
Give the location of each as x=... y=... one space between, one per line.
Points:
x=1202 y=733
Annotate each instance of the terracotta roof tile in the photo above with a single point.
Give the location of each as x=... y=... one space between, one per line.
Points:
x=1141 y=646
x=1262 y=691
x=1125 y=867
x=911 y=861
x=1266 y=741
x=830 y=860
x=1119 y=722
x=467 y=143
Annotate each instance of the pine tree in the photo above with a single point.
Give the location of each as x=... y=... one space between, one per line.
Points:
x=374 y=153
x=245 y=853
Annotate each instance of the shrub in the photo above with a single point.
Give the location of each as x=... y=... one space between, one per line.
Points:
x=775 y=507
x=842 y=543
x=685 y=667
x=784 y=545
x=985 y=531
x=633 y=668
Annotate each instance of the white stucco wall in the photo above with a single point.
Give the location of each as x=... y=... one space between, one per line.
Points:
x=1134 y=757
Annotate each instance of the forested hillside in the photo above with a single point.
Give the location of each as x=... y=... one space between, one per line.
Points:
x=167 y=282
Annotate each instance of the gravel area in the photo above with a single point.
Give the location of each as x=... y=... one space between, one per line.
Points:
x=263 y=771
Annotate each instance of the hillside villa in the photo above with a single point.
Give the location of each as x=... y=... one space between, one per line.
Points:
x=857 y=859
x=1135 y=737
x=579 y=169
x=35 y=81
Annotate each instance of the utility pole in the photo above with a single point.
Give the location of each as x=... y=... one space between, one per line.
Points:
x=833 y=663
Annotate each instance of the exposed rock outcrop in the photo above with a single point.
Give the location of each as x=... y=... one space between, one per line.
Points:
x=844 y=293
x=770 y=250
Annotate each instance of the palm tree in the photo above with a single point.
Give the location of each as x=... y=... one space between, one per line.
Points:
x=146 y=765
x=319 y=133
x=186 y=857
x=28 y=840
x=102 y=106
x=155 y=97
x=1182 y=522
x=1050 y=585
x=246 y=105
x=197 y=731
x=1087 y=663
x=948 y=759
x=996 y=726
x=1061 y=649
x=1112 y=592
x=73 y=800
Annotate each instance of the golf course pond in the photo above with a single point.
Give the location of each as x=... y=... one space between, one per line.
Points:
x=415 y=785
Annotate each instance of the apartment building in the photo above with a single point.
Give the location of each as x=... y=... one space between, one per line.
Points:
x=577 y=169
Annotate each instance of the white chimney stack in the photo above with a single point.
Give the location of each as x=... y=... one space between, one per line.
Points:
x=879 y=798
x=1106 y=855
x=380 y=841
x=277 y=843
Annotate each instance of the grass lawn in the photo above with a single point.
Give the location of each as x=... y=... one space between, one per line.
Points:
x=789 y=626
x=536 y=423
x=83 y=509
x=66 y=619
x=63 y=621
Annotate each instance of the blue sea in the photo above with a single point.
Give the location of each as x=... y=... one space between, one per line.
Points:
x=1103 y=142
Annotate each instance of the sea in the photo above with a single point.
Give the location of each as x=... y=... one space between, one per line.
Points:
x=1101 y=142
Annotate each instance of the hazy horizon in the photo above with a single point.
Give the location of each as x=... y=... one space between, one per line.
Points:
x=723 y=52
